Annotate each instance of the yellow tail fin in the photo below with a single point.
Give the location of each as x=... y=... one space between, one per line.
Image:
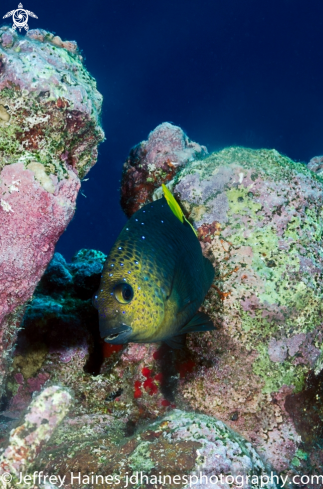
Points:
x=175 y=207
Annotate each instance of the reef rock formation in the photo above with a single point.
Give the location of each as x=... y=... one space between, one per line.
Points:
x=49 y=118
x=154 y=162
x=44 y=415
x=175 y=451
x=259 y=219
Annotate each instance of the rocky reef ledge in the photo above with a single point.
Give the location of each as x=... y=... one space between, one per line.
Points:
x=49 y=132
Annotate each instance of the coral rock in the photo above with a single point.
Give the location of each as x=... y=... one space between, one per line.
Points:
x=49 y=118
x=264 y=239
x=180 y=448
x=44 y=415
x=259 y=219
x=154 y=162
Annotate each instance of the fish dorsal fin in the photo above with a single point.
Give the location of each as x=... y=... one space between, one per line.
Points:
x=173 y=204
x=175 y=207
x=200 y=322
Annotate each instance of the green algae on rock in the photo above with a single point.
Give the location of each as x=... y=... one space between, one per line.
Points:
x=50 y=107
x=183 y=445
x=266 y=241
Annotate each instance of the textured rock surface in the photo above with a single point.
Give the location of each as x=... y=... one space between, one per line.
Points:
x=259 y=218
x=45 y=413
x=155 y=161
x=59 y=334
x=180 y=444
x=49 y=118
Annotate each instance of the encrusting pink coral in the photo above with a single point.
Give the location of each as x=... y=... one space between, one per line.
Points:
x=49 y=132
x=45 y=413
x=154 y=161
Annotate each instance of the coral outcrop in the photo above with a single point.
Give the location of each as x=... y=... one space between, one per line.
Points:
x=154 y=162
x=50 y=129
x=44 y=415
x=180 y=450
x=259 y=219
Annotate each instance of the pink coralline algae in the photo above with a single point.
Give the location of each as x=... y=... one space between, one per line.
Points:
x=49 y=118
x=153 y=162
x=44 y=414
x=22 y=398
x=33 y=219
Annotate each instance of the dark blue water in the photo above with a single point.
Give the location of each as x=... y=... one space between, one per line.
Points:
x=233 y=72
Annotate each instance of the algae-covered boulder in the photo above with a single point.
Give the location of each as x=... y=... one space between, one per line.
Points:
x=49 y=132
x=180 y=450
x=259 y=218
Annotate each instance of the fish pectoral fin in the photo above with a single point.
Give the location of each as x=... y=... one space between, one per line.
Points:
x=176 y=342
x=200 y=322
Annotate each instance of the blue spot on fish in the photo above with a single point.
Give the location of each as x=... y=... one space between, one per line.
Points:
x=143 y=237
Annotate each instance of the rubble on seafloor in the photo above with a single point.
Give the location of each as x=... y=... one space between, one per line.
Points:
x=49 y=133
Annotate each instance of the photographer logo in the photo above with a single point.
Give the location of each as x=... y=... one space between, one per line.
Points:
x=20 y=17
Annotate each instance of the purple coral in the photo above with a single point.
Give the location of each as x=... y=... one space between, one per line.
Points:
x=167 y=149
x=45 y=413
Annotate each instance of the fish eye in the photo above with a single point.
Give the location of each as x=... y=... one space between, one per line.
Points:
x=123 y=293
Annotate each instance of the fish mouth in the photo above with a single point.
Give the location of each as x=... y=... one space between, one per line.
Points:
x=118 y=336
